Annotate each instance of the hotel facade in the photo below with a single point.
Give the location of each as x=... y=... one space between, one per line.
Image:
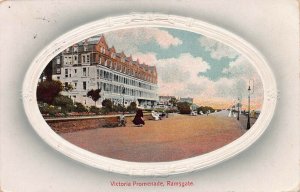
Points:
x=91 y=64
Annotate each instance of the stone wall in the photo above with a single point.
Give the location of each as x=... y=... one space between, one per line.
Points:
x=72 y=124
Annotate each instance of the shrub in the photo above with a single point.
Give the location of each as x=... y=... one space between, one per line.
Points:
x=49 y=109
x=132 y=107
x=48 y=90
x=118 y=108
x=184 y=107
x=104 y=111
x=95 y=110
x=79 y=107
x=64 y=102
x=173 y=101
x=107 y=104
x=171 y=111
x=205 y=109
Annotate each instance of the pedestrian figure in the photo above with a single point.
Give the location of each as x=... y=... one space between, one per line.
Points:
x=230 y=113
x=122 y=121
x=139 y=118
x=155 y=116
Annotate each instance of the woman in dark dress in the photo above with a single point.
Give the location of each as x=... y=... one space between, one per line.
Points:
x=138 y=119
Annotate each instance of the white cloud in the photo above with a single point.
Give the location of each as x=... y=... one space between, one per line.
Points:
x=217 y=49
x=182 y=69
x=147 y=58
x=179 y=77
x=128 y=40
x=240 y=67
x=176 y=75
x=243 y=71
x=165 y=39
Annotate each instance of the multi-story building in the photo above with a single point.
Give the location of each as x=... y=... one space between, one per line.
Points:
x=186 y=99
x=165 y=100
x=91 y=64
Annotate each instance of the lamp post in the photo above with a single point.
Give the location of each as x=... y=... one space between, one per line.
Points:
x=248 y=122
x=238 y=105
x=123 y=93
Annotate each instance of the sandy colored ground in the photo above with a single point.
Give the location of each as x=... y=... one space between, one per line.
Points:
x=174 y=138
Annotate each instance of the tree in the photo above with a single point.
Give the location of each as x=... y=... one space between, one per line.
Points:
x=173 y=101
x=48 y=71
x=205 y=109
x=184 y=107
x=79 y=107
x=131 y=107
x=94 y=94
x=64 y=102
x=118 y=108
x=94 y=109
x=68 y=87
x=107 y=104
x=48 y=90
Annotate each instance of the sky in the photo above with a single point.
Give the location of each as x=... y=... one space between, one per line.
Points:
x=192 y=65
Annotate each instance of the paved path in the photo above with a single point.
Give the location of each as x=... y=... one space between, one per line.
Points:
x=243 y=118
x=174 y=138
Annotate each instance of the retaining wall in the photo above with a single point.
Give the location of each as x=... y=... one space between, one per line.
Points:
x=65 y=125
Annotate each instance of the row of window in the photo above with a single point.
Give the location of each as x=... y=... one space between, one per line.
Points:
x=85 y=72
x=85 y=48
x=118 y=78
x=103 y=74
x=85 y=58
x=115 y=101
x=107 y=87
x=75 y=49
x=73 y=59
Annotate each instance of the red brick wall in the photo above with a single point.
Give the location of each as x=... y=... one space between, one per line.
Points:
x=71 y=125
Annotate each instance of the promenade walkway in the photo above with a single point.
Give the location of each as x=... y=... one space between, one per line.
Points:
x=174 y=138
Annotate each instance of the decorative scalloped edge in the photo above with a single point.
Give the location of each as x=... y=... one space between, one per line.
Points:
x=149 y=20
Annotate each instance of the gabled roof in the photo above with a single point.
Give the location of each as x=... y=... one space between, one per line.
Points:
x=102 y=42
x=121 y=55
x=112 y=49
x=129 y=58
x=84 y=42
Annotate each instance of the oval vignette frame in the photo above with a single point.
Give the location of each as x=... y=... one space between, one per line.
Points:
x=155 y=168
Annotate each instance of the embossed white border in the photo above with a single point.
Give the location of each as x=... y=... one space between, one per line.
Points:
x=148 y=20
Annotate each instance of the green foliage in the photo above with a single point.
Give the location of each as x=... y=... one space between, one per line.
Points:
x=173 y=101
x=205 y=109
x=94 y=94
x=132 y=107
x=172 y=111
x=118 y=108
x=104 y=111
x=107 y=105
x=49 y=109
x=94 y=109
x=48 y=90
x=69 y=87
x=64 y=102
x=79 y=107
x=184 y=107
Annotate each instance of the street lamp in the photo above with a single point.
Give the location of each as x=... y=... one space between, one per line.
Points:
x=248 y=122
x=123 y=93
x=238 y=105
